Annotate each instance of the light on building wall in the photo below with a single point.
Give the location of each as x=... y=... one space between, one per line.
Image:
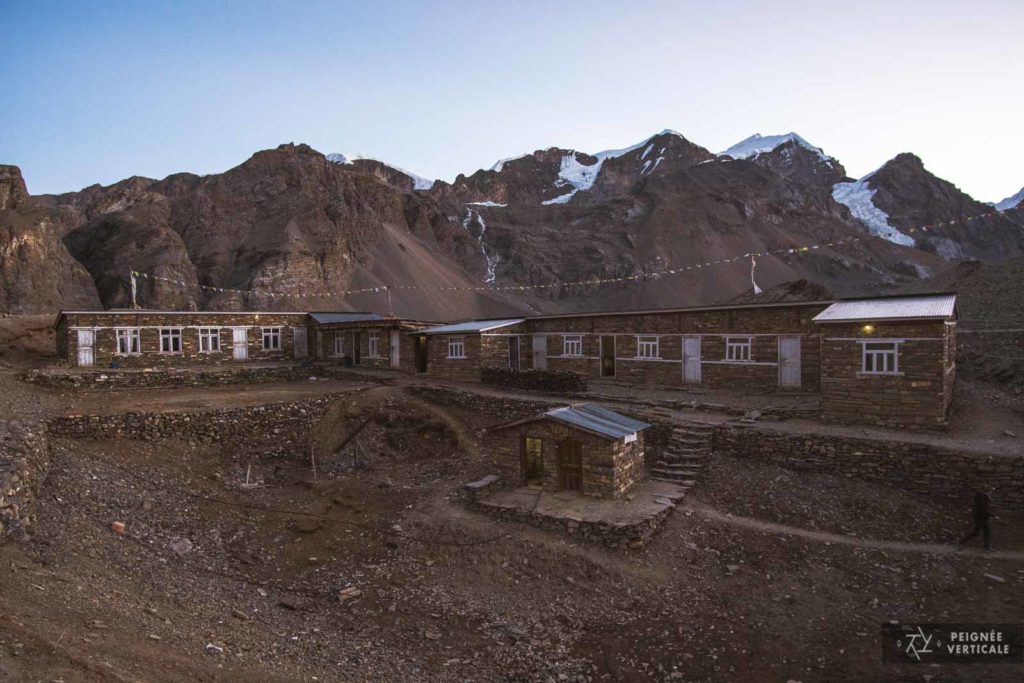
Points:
x=868 y=329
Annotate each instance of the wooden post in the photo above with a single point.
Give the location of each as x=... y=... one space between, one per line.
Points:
x=312 y=460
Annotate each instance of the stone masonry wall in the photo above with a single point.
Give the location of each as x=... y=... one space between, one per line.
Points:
x=926 y=469
x=24 y=462
x=276 y=429
x=167 y=377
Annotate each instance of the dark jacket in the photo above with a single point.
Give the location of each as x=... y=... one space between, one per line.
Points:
x=981 y=510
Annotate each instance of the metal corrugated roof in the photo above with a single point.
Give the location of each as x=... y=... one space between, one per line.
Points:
x=598 y=420
x=895 y=308
x=471 y=326
x=344 y=317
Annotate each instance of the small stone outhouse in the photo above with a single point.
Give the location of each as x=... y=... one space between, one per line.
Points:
x=584 y=448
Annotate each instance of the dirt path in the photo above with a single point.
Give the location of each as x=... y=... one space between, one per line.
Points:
x=823 y=536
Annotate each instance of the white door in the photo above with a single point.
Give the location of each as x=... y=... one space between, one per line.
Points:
x=86 y=341
x=299 y=342
x=540 y=352
x=396 y=342
x=789 y=361
x=691 y=359
x=240 y=343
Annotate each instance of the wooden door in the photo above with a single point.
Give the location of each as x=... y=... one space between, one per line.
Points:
x=239 y=343
x=608 y=356
x=86 y=345
x=395 y=347
x=789 y=361
x=299 y=342
x=357 y=357
x=540 y=352
x=691 y=360
x=420 y=352
x=570 y=465
x=513 y=353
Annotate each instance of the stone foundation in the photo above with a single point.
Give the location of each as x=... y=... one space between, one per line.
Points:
x=167 y=377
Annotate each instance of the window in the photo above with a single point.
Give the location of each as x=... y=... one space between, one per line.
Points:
x=271 y=338
x=170 y=340
x=339 y=344
x=572 y=345
x=881 y=358
x=128 y=342
x=737 y=349
x=373 y=340
x=456 y=347
x=209 y=339
x=629 y=438
x=647 y=347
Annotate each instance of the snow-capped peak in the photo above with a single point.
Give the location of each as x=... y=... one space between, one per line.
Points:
x=758 y=144
x=858 y=196
x=1011 y=202
x=418 y=181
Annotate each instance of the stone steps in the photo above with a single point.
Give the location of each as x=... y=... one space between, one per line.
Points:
x=685 y=456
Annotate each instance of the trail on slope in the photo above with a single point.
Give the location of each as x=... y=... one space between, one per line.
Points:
x=825 y=537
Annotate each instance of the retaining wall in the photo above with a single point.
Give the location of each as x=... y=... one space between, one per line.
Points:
x=24 y=462
x=168 y=377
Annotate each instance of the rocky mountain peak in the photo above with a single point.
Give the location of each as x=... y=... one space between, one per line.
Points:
x=12 y=187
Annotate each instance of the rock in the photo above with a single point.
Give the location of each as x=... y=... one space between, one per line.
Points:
x=118 y=527
x=289 y=603
x=349 y=593
x=993 y=577
x=1010 y=434
x=181 y=546
x=432 y=635
x=212 y=649
x=732 y=568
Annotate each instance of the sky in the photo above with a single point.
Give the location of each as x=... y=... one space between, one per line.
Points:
x=93 y=92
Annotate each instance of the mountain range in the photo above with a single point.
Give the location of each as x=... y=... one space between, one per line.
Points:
x=301 y=228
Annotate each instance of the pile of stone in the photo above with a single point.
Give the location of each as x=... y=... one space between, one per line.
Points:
x=24 y=460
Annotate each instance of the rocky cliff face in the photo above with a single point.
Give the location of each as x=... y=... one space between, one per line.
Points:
x=302 y=229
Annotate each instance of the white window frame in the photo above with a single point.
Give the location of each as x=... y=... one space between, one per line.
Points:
x=134 y=337
x=572 y=346
x=457 y=347
x=372 y=345
x=274 y=335
x=885 y=355
x=738 y=347
x=648 y=346
x=207 y=335
x=629 y=438
x=168 y=334
x=339 y=345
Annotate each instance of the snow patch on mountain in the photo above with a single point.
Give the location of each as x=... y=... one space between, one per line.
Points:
x=1011 y=202
x=858 y=197
x=759 y=144
x=487 y=203
x=418 y=181
x=491 y=259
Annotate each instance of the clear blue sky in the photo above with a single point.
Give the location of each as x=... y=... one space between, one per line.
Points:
x=97 y=91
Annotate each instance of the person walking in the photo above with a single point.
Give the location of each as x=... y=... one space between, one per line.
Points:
x=981 y=515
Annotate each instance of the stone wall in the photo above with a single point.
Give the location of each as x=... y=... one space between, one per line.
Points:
x=168 y=377
x=24 y=462
x=149 y=323
x=935 y=471
x=612 y=534
x=558 y=381
x=276 y=429
x=918 y=396
x=463 y=369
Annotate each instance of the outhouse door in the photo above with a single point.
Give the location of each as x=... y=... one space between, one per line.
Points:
x=86 y=344
x=394 y=347
x=300 y=342
x=691 y=360
x=420 y=352
x=540 y=352
x=239 y=343
x=570 y=465
x=789 y=361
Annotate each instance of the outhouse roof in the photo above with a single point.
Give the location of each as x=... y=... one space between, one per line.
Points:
x=472 y=326
x=588 y=417
x=925 y=307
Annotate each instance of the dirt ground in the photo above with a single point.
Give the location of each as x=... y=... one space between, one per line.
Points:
x=374 y=572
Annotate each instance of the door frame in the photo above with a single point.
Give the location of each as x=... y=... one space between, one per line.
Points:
x=539 y=346
x=395 y=349
x=700 y=353
x=600 y=356
x=91 y=332
x=513 y=340
x=244 y=346
x=799 y=360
